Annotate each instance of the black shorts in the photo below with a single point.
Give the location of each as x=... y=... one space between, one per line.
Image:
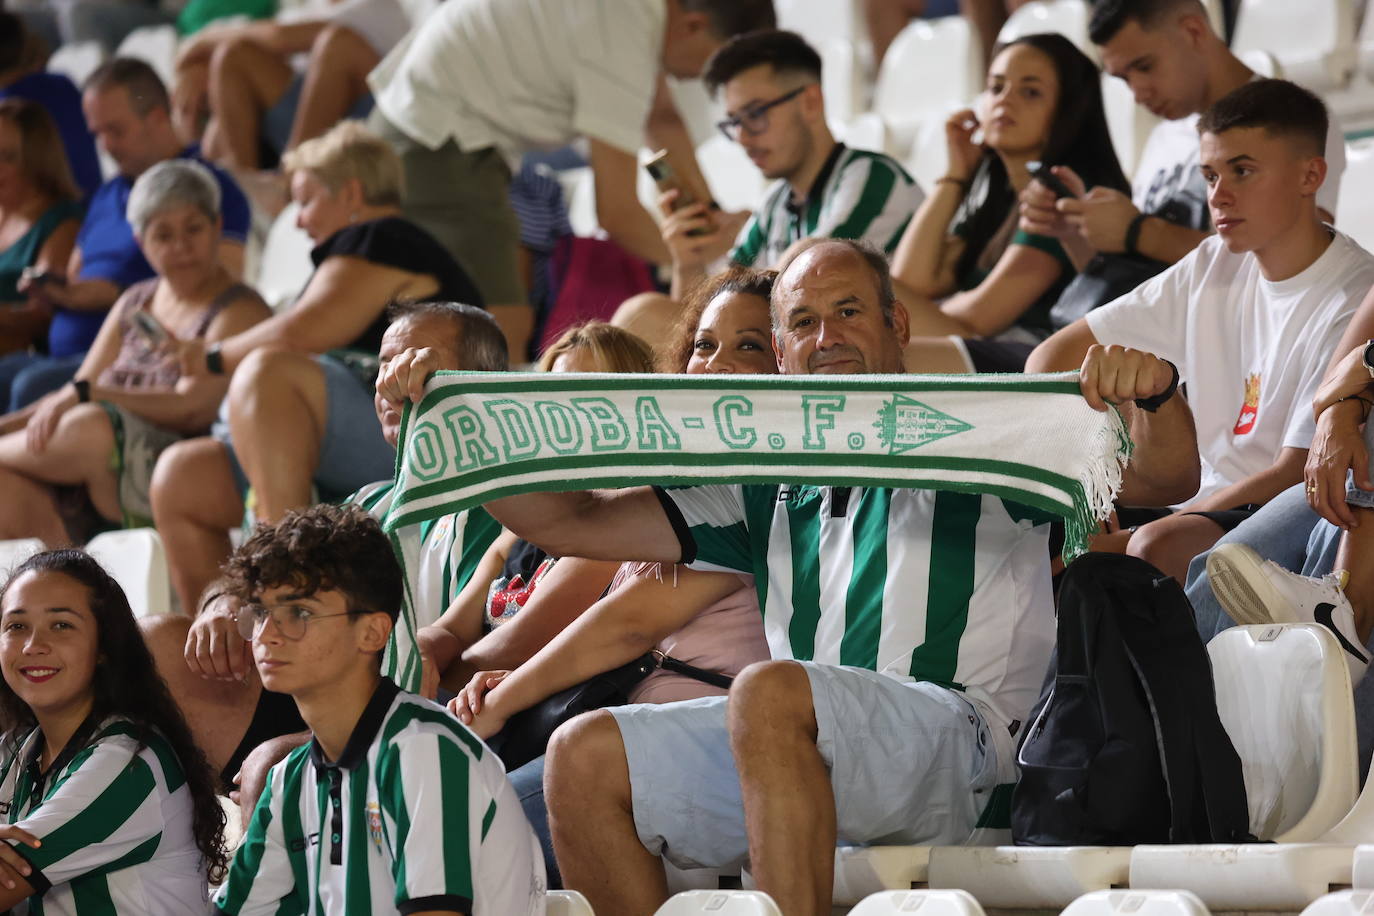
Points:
x=275 y=715
x=1226 y=519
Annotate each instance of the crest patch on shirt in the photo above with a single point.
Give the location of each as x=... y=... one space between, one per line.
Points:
x=374 y=824
x=1249 y=411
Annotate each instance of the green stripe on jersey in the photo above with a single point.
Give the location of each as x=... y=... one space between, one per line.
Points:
x=877 y=188
x=454 y=794
x=952 y=557
x=864 y=601
x=125 y=794
x=803 y=521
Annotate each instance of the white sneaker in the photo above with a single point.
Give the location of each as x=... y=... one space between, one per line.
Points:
x=1254 y=590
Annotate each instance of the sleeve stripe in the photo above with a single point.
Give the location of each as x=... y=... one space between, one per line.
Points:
x=455 y=793
x=102 y=818
x=877 y=189
x=488 y=818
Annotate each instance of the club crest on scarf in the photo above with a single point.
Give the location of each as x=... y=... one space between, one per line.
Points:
x=905 y=423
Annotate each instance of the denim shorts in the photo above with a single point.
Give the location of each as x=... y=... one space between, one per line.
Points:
x=910 y=763
x=352 y=453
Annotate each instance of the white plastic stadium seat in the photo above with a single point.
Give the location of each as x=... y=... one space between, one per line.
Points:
x=1353 y=213
x=1067 y=17
x=1137 y=903
x=1313 y=40
x=1342 y=903
x=862 y=871
x=1129 y=124
x=137 y=562
x=719 y=903
x=156 y=45
x=285 y=266
x=1283 y=691
x=566 y=903
x=1264 y=63
x=12 y=553
x=1362 y=872
x=77 y=60
x=1036 y=877
x=928 y=903
x=735 y=182
x=1366 y=44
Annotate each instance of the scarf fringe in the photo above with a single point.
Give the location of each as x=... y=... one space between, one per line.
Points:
x=1094 y=499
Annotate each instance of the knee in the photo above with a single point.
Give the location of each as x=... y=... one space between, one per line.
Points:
x=583 y=753
x=181 y=474
x=774 y=692
x=266 y=371
x=232 y=54
x=339 y=47
x=1148 y=542
x=648 y=315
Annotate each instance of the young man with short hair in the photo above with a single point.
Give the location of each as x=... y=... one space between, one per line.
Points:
x=479 y=83
x=1250 y=317
x=770 y=83
x=877 y=602
x=1177 y=67
x=393 y=806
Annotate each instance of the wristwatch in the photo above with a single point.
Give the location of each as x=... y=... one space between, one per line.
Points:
x=1368 y=358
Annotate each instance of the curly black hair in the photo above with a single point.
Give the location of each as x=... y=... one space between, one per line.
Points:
x=322 y=548
x=126 y=684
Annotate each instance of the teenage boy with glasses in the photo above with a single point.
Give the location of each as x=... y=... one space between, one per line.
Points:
x=771 y=85
x=393 y=806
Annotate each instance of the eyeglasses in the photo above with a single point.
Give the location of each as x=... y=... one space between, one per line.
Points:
x=291 y=620
x=754 y=120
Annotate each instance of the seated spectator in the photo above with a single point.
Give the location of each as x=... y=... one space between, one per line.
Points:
x=208 y=665
x=878 y=750
x=422 y=816
x=982 y=288
x=39 y=213
x=770 y=84
x=237 y=85
x=1250 y=317
x=22 y=76
x=1177 y=67
x=84 y=459
x=106 y=798
x=104 y=22
x=299 y=410
x=127 y=110
x=515 y=96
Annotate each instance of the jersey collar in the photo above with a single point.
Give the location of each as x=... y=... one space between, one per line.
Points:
x=364 y=733
x=75 y=744
x=799 y=207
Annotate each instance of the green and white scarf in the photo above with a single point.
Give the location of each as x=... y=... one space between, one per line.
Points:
x=475 y=437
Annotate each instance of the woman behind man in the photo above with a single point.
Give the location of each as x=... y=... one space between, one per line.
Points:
x=105 y=795
x=299 y=416
x=100 y=436
x=40 y=214
x=1043 y=102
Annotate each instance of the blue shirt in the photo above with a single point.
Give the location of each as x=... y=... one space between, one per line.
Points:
x=110 y=252
x=62 y=101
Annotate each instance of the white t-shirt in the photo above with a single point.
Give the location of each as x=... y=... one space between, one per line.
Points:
x=1168 y=180
x=1252 y=352
x=381 y=23
x=525 y=74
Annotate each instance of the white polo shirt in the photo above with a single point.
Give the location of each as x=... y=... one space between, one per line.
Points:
x=525 y=74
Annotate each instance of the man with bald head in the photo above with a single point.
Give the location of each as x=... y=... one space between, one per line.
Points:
x=910 y=631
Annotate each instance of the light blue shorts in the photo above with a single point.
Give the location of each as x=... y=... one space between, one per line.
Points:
x=910 y=763
x=353 y=452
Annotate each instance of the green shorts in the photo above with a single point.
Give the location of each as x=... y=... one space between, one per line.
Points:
x=463 y=200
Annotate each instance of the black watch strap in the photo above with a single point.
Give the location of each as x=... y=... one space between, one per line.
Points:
x=83 y=390
x=1368 y=358
x=1133 y=234
x=1152 y=404
x=214 y=360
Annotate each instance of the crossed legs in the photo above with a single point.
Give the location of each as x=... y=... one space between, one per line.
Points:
x=78 y=452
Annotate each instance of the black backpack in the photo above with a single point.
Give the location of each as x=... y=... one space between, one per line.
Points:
x=1125 y=745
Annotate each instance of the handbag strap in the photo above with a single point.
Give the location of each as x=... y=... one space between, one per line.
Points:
x=668 y=663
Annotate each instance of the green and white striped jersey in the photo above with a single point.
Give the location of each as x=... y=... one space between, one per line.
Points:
x=439 y=557
x=416 y=814
x=924 y=585
x=115 y=821
x=858 y=195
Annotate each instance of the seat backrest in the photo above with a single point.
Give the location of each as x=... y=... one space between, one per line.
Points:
x=12 y=553
x=943 y=57
x=1354 y=215
x=136 y=560
x=1067 y=17
x=719 y=903
x=928 y=902
x=566 y=903
x=1284 y=696
x=1313 y=40
x=1137 y=903
x=77 y=60
x=285 y=266
x=155 y=45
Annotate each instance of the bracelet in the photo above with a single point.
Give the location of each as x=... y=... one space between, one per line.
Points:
x=214 y=360
x=950 y=179
x=83 y=390
x=1151 y=404
x=1133 y=234
x=1368 y=404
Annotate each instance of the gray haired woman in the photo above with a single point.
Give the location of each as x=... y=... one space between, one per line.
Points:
x=84 y=459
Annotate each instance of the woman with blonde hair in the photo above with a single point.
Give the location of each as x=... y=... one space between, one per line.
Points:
x=39 y=218
x=595 y=346
x=299 y=418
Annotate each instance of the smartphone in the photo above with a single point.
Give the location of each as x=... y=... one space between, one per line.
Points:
x=665 y=177
x=151 y=329
x=1041 y=173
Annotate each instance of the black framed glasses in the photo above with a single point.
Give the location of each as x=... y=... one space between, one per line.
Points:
x=754 y=119
x=291 y=620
